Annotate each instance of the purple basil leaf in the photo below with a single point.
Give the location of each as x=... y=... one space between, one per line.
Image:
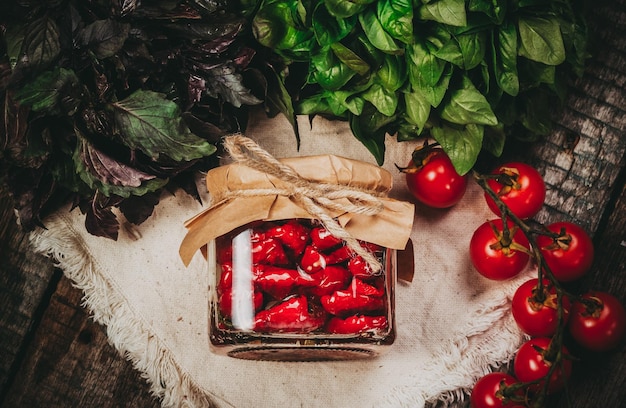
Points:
x=137 y=209
x=41 y=45
x=225 y=81
x=204 y=129
x=99 y=218
x=110 y=176
x=104 y=37
x=30 y=189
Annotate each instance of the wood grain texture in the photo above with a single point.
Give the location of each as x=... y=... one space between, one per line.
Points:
x=24 y=281
x=69 y=363
x=599 y=380
x=52 y=354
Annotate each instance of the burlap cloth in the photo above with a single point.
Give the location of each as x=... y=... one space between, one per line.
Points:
x=453 y=325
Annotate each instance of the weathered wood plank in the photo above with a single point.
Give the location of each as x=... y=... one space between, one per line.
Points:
x=582 y=158
x=24 y=279
x=599 y=380
x=71 y=364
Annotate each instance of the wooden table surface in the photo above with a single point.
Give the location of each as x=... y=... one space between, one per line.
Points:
x=53 y=355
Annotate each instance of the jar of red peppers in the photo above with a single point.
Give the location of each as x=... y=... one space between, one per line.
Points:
x=300 y=254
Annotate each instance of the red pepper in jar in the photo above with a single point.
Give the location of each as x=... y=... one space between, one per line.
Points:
x=270 y=252
x=226 y=302
x=226 y=275
x=359 y=268
x=359 y=297
x=339 y=255
x=323 y=240
x=291 y=315
x=330 y=279
x=360 y=287
x=312 y=260
x=292 y=234
x=225 y=252
x=280 y=282
x=356 y=324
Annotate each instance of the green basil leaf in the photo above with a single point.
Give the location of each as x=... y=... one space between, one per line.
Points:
x=425 y=69
x=472 y=46
x=151 y=123
x=384 y=100
x=428 y=74
x=467 y=105
x=350 y=58
x=451 y=52
x=541 y=40
x=575 y=39
x=364 y=48
x=370 y=128
x=52 y=92
x=417 y=109
x=532 y=73
x=505 y=58
x=277 y=25
x=392 y=74
x=104 y=37
x=346 y=8
x=277 y=98
x=329 y=29
x=494 y=9
x=462 y=145
x=536 y=111
x=451 y=12
x=330 y=73
x=494 y=138
x=348 y=101
x=376 y=34
x=407 y=131
x=315 y=104
x=396 y=17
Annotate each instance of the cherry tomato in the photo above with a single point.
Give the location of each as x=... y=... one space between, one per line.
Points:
x=492 y=256
x=520 y=187
x=434 y=181
x=536 y=313
x=599 y=328
x=570 y=255
x=487 y=392
x=532 y=363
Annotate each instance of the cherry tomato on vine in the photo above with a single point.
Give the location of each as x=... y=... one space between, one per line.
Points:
x=600 y=324
x=520 y=187
x=496 y=257
x=535 y=312
x=570 y=255
x=532 y=363
x=434 y=181
x=488 y=391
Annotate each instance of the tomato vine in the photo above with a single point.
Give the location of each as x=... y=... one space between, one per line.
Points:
x=596 y=320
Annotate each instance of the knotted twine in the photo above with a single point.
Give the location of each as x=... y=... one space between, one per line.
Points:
x=315 y=197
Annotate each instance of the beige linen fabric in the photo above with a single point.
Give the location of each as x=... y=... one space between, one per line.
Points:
x=453 y=325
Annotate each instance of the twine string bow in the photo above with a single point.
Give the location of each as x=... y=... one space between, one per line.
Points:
x=315 y=197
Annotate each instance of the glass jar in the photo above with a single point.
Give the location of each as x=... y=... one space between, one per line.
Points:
x=290 y=291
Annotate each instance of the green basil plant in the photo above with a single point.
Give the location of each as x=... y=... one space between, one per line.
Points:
x=464 y=72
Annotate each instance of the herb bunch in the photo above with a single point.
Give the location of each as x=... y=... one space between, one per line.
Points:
x=107 y=103
x=468 y=73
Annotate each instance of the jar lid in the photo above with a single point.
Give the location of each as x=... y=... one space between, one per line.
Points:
x=240 y=195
